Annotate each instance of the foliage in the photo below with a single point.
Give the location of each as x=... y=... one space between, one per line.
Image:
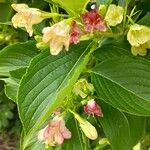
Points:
x=98 y=83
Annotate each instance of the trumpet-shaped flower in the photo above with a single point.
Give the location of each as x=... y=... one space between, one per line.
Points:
x=88 y=129
x=93 y=108
x=138 y=35
x=75 y=33
x=139 y=38
x=93 y=21
x=55 y=132
x=57 y=36
x=26 y=17
x=114 y=15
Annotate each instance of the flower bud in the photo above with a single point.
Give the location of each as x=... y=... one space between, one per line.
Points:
x=93 y=108
x=88 y=129
x=75 y=33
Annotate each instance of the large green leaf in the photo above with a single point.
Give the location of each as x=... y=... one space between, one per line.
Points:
x=5 y=11
x=103 y=2
x=47 y=83
x=33 y=144
x=16 y=56
x=122 y=130
x=137 y=128
x=145 y=20
x=113 y=48
x=12 y=83
x=75 y=7
x=116 y=128
x=124 y=83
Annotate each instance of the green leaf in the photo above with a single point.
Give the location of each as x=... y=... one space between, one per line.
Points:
x=5 y=12
x=145 y=20
x=137 y=128
x=113 y=48
x=75 y=7
x=116 y=128
x=16 y=56
x=103 y=2
x=48 y=81
x=124 y=84
x=34 y=143
x=12 y=83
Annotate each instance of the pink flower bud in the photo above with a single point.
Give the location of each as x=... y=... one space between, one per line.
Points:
x=55 y=132
x=75 y=33
x=93 y=21
x=93 y=108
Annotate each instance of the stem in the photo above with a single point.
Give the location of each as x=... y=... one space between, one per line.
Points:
x=51 y=15
x=125 y=13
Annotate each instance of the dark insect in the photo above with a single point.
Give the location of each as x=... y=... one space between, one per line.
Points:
x=91 y=5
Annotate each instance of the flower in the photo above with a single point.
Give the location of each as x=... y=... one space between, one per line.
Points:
x=138 y=34
x=114 y=15
x=88 y=129
x=57 y=36
x=82 y=88
x=26 y=17
x=93 y=108
x=139 y=38
x=140 y=50
x=74 y=33
x=55 y=132
x=93 y=21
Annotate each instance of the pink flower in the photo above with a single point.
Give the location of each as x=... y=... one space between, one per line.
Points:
x=55 y=132
x=93 y=21
x=93 y=108
x=75 y=33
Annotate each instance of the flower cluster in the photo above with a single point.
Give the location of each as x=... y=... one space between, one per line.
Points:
x=64 y=33
x=61 y=34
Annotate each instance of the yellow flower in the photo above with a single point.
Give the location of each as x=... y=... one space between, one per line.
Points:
x=140 y=50
x=88 y=129
x=114 y=15
x=26 y=17
x=139 y=38
x=138 y=34
x=57 y=36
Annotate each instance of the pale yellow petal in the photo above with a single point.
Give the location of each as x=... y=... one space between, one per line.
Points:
x=55 y=47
